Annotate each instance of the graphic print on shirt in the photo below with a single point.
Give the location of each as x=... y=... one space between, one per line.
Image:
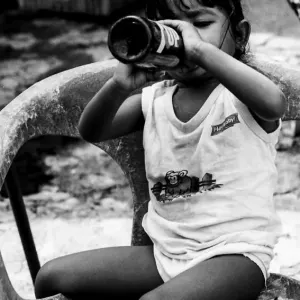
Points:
x=178 y=184
x=229 y=122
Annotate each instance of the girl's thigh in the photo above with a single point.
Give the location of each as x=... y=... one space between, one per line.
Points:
x=113 y=272
x=232 y=277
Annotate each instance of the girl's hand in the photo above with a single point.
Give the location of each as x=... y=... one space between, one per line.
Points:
x=191 y=38
x=129 y=78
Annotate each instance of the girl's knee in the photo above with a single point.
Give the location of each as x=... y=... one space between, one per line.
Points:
x=48 y=279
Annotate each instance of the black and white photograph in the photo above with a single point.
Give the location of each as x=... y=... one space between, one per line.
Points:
x=150 y=149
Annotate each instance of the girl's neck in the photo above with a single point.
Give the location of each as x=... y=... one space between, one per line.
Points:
x=199 y=85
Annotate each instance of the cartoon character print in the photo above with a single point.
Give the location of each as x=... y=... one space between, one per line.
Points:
x=178 y=184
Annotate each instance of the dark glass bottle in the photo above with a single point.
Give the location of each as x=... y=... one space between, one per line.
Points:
x=145 y=43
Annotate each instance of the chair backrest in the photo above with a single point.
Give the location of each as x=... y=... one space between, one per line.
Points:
x=53 y=107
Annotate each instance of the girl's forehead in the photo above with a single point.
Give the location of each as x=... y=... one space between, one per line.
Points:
x=192 y=4
x=173 y=9
x=186 y=6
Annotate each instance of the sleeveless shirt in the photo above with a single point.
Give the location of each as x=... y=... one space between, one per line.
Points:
x=211 y=179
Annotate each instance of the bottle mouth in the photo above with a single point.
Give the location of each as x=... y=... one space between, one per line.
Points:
x=129 y=39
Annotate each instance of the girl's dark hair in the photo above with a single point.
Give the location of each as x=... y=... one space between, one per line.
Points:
x=161 y=9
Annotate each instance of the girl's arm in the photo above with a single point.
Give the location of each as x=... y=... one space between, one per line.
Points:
x=255 y=90
x=112 y=112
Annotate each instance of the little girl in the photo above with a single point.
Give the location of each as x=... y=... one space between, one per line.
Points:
x=209 y=139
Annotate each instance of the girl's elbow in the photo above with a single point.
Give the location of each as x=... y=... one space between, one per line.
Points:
x=277 y=110
x=83 y=134
x=90 y=138
x=82 y=130
x=86 y=134
x=274 y=108
x=281 y=105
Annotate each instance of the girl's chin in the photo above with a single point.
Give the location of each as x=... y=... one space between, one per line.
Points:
x=187 y=74
x=187 y=70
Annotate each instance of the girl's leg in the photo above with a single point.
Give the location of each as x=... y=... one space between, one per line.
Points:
x=108 y=273
x=226 y=277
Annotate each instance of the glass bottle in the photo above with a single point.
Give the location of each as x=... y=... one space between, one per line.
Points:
x=145 y=43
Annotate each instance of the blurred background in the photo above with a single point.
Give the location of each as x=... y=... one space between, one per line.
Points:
x=76 y=197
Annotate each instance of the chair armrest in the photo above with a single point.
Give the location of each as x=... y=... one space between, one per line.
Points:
x=50 y=107
x=286 y=77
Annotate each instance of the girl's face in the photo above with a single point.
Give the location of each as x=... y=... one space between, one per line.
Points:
x=213 y=26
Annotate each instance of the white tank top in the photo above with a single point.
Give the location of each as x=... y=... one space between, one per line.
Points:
x=211 y=179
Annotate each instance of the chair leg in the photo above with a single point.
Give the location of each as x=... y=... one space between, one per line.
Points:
x=13 y=189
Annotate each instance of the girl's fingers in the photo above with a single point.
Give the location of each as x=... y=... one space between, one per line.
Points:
x=170 y=21
x=176 y=24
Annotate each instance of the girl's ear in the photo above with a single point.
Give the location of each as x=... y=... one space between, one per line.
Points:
x=243 y=30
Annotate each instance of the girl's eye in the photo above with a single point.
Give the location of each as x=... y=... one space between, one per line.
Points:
x=202 y=24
